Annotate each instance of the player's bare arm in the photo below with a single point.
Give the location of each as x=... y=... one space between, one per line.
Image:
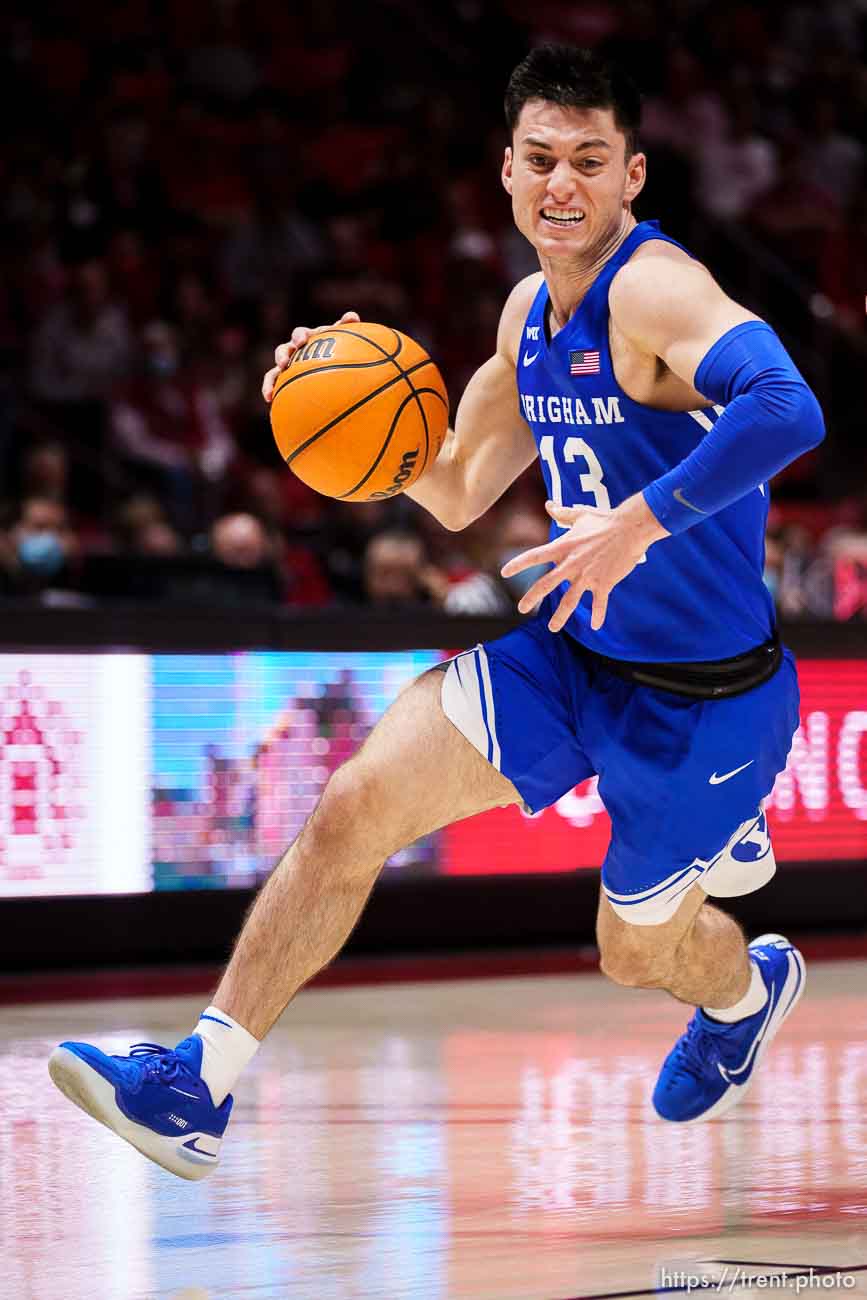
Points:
x=768 y=416
x=668 y=306
x=490 y=444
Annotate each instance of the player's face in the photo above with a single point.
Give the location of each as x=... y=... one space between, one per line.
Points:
x=568 y=177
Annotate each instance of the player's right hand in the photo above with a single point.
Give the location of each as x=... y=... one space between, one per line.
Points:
x=286 y=351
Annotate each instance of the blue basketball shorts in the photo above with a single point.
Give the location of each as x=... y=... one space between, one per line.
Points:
x=682 y=779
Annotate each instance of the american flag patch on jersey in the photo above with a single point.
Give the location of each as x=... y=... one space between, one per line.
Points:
x=584 y=363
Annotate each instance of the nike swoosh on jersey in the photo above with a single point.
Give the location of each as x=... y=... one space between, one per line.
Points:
x=678 y=496
x=528 y=360
x=718 y=780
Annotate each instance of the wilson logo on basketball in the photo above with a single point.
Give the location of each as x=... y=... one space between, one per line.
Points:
x=317 y=350
x=405 y=472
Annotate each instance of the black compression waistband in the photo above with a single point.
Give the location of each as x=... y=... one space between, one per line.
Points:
x=711 y=680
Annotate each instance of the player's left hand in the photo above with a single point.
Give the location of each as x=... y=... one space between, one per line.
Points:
x=599 y=549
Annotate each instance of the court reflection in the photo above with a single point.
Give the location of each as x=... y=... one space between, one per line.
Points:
x=586 y=1140
x=489 y=1141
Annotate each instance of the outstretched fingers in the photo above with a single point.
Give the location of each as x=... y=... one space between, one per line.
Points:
x=566 y=608
x=548 y=553
x=570 y=602
x=600 y=609
x=541 y=588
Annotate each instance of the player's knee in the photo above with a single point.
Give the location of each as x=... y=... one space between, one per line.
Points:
x=635 y=963
x=353 y=814
x=348 y=800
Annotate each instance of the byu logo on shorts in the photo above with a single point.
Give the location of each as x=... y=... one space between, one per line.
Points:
x=755 y=844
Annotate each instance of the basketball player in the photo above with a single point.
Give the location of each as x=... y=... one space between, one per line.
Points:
x=658 y=409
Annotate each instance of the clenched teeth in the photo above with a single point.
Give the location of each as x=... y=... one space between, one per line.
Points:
x=567 y=216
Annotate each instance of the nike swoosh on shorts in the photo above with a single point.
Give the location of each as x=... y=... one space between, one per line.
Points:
x=718 y=780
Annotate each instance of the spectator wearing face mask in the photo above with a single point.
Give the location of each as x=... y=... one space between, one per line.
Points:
x=40 y=550
x=50 y=471
x=168 y=428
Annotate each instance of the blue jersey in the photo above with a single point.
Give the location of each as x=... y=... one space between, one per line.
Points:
x=698 y=595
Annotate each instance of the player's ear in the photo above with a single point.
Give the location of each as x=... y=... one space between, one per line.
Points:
x=506 y=173
x=636 y=174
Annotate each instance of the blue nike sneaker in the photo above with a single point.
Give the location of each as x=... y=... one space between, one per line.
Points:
x=155 y=1098
x=711 y=1066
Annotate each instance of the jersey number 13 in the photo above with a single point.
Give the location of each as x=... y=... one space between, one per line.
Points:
x=573 y=448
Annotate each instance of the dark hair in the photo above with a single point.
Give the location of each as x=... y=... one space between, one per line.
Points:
x=575 y=78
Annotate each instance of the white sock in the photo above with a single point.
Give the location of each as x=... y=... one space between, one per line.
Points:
x=753 y=1000
x=228 y=1048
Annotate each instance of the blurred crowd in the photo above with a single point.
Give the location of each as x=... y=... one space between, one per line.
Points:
x=186 y=182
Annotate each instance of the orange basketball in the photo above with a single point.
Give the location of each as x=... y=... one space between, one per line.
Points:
x=360 y=412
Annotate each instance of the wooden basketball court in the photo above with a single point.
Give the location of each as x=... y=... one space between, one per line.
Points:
x=483 y=1140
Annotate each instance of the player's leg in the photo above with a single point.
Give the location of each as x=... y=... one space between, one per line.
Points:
x=683 y=773
x=742 y=994
x=699 y=956
x=455 y=743
x=415 y=773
